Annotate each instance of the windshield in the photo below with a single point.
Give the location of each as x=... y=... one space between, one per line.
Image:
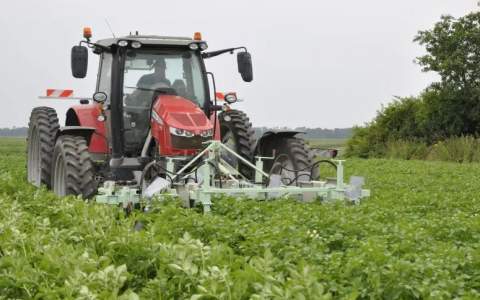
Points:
x=169 y=72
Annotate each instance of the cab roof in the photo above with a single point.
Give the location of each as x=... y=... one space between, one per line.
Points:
x=150 y=40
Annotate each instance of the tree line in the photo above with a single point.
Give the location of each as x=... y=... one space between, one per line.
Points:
x=14 y=132
x=445 y=109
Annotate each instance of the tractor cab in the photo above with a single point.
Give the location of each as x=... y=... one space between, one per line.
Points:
x=154 y=72
x=168 y=65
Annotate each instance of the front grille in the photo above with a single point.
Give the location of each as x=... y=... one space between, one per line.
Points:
x=195 y=142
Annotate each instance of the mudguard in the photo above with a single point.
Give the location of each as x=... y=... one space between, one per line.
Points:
x=85 y=132
x=86 y=116
x=265 y=144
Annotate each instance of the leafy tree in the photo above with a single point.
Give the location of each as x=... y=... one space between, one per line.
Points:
x=453 y=51
x=447 y=108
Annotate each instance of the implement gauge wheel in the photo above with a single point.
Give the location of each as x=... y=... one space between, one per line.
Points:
x=72 y=169
x=293 y=161
x=237 y=134
x=42 y=129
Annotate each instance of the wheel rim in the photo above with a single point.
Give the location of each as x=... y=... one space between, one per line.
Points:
x=59 y=177
x=229 y=140
x=34 y=163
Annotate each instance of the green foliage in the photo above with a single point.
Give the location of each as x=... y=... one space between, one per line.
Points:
x=458 y=149
x=462 y=149
x=401 y=149
x=452 y=50
x=400 y=120
x=417 y=237
x=445 y=109
x=364 y=144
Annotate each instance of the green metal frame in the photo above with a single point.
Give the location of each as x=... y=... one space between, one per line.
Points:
x=237 y=185
x=113 y=194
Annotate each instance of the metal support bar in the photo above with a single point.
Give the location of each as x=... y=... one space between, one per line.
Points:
x=241 y=158
x=205 y=198
x=147 y=144
x=340 y=183
x=259 y=165
x=192 y=161
x=170 y=165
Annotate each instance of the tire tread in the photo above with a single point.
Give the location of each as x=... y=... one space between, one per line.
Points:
x=45 y=120
x=243 y=133
x=79 y=167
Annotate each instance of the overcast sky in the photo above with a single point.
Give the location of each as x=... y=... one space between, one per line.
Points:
x=316 y=63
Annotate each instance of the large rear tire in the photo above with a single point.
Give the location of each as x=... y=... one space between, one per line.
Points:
x=73 y=170
x=294 y=161
x=42 y=129
x=237 y=134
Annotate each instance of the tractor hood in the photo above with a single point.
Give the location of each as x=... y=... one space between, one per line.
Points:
x=178 y=112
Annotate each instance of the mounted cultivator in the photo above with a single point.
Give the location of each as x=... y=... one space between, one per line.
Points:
x=152 y=131
x=212 y=175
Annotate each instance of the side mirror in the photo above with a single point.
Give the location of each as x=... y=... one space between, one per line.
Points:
x=79 y=61
x=244 y=60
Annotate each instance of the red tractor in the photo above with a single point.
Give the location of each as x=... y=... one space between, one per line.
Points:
x=154 y=115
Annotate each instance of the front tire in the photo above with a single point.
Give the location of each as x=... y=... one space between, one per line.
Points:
x=237 y=134
x=72 y=169
x=42 y=129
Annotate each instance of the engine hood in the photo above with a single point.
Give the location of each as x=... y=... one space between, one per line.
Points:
x=178 y=112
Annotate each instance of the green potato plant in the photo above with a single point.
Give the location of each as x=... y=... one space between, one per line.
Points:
x=417 y=237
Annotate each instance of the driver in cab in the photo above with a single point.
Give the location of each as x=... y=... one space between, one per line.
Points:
x=149 y=81
x=147 y=84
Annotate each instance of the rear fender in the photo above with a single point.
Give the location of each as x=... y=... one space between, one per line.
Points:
x=266 y=144
x=85 y=132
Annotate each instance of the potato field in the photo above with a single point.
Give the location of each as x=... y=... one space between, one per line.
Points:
x=416 y=237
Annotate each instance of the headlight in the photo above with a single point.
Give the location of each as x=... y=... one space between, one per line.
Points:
x=203 y=46
x=230 y=98
x=136 y=45
x=157 y=118
x=206 y=133
x=123 y=43
x=193 y=46
x=180 y=132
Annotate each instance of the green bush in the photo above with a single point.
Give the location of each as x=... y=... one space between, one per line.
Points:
x=400 y=120
x=462 y=149
x=362 y=144
x=402 y=149
x=457 y=149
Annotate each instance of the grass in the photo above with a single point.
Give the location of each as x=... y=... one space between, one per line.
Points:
x=329 y=143
x=463 y=149
x=417 y=237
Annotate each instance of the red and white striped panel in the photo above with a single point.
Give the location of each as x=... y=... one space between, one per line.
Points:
x=53 y=93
